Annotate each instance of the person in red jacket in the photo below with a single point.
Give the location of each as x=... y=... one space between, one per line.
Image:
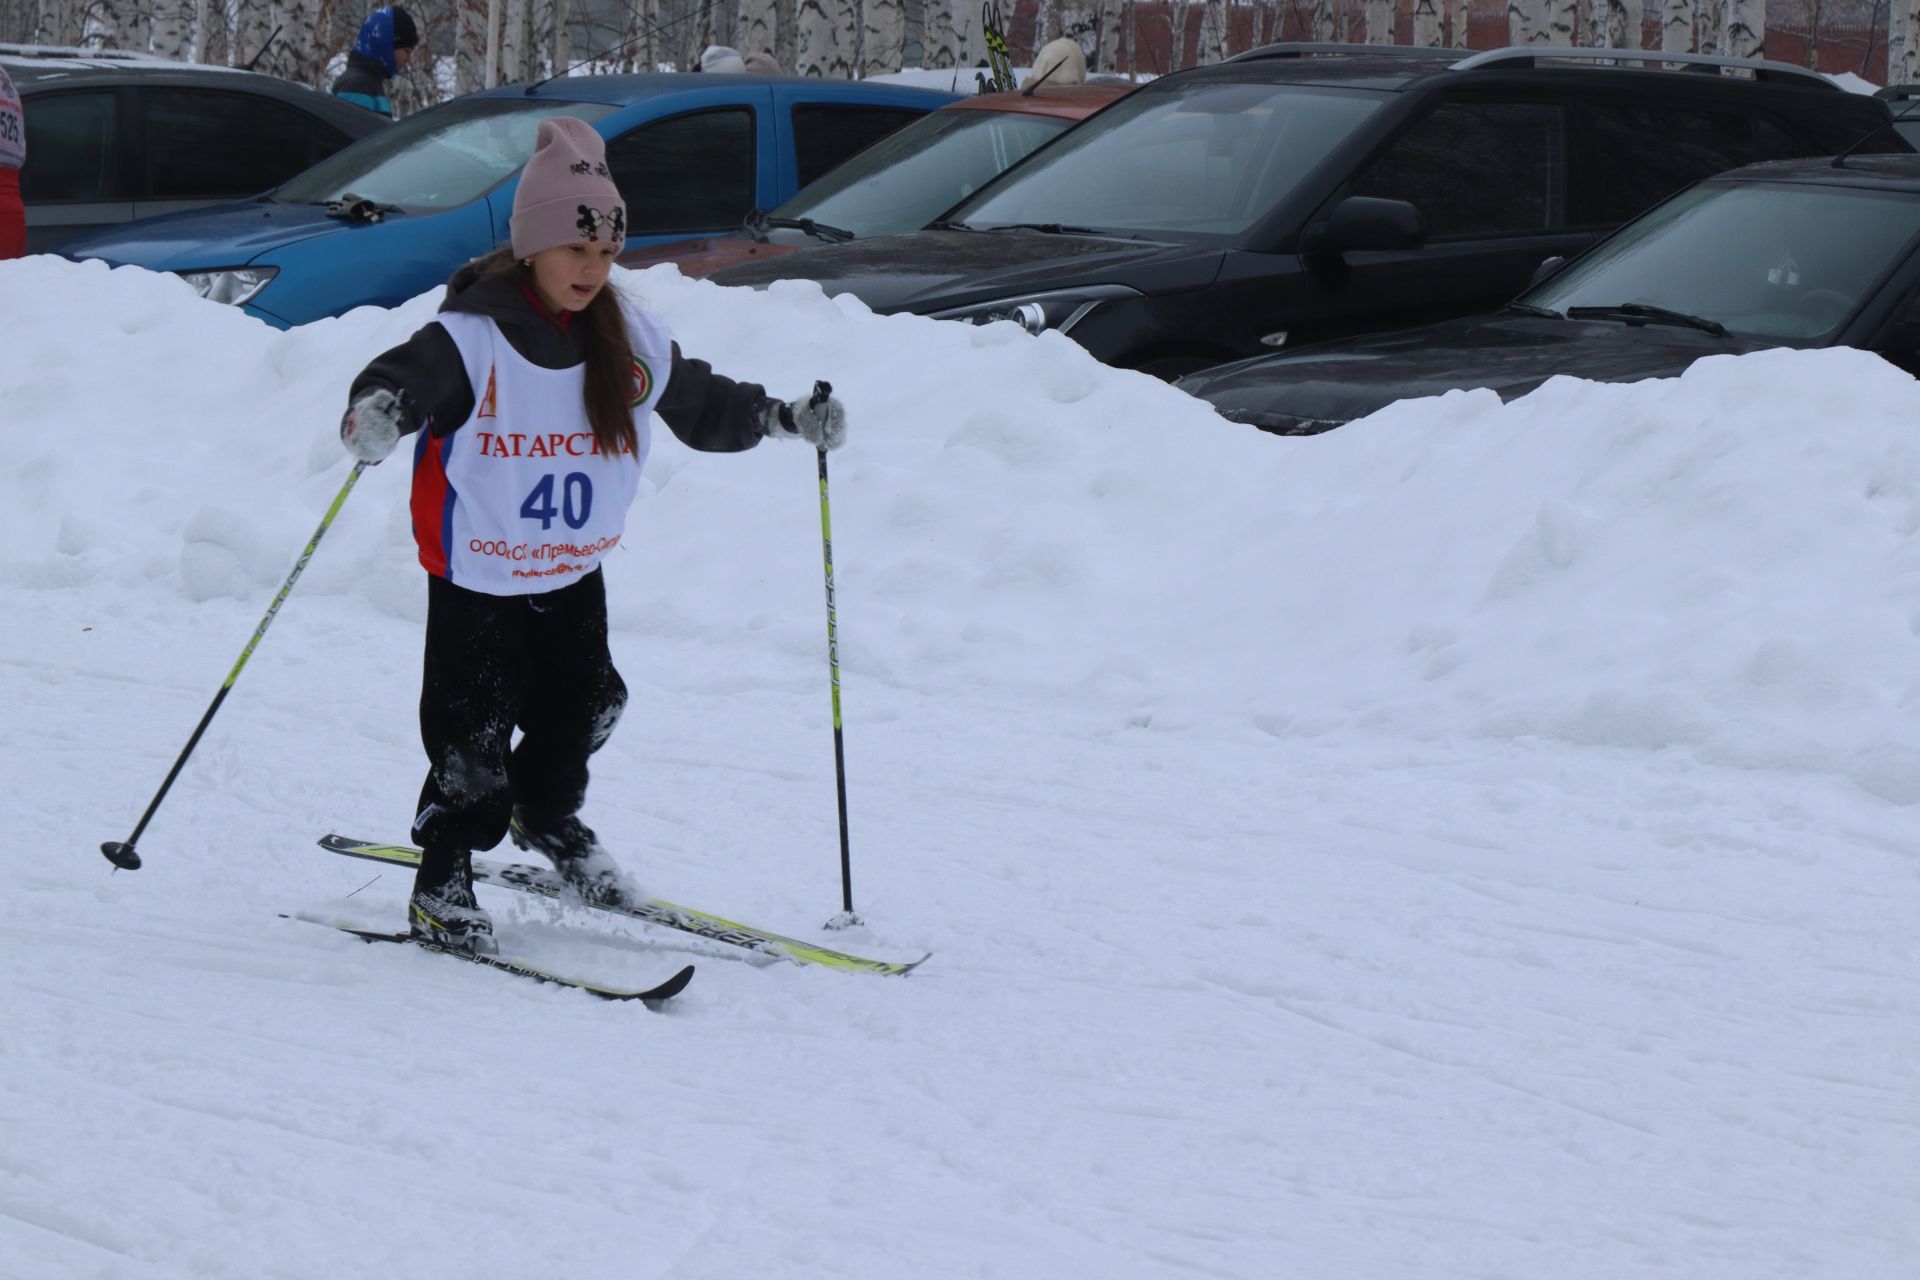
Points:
x=13 y=154
x=532 y=394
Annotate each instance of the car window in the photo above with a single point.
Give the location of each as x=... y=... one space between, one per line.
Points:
x=1784 y=262
x=1636 y=156
x=1477 y=169
x=441 y=158
x=72 y=147
x=824 y=134
x=688 y=173
x=912 y=177
x=1203 y=160
x=206 y=143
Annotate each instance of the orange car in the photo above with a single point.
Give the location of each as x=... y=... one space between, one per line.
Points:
x=900 y=183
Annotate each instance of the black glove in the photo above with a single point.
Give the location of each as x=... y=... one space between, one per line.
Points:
x=371 y=427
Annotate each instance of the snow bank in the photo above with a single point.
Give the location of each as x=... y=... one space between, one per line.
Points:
x=1724 y=563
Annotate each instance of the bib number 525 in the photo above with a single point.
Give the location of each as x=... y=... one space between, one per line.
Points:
x=576 y=500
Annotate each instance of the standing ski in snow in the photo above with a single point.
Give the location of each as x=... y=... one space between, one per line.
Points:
x=532 y=393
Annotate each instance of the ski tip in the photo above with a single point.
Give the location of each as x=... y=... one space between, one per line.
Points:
x=667 y=990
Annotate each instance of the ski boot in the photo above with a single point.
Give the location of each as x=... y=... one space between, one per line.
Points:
x=578 y=856
x=443 y=909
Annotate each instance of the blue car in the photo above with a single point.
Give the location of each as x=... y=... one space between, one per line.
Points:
x=391 y=216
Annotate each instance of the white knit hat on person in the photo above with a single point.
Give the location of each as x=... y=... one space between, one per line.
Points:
x=718 y=57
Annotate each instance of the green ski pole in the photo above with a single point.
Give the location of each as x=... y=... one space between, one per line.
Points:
x=124 y=855
x=846 y=918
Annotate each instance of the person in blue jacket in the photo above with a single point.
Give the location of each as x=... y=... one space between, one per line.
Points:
x=381 y=51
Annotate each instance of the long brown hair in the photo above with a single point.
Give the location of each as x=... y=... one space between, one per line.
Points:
x=609 y=357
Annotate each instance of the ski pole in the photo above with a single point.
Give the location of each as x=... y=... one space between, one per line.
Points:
x=124 y=855
x=821 y=390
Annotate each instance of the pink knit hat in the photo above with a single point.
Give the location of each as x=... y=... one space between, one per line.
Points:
x=566 y=193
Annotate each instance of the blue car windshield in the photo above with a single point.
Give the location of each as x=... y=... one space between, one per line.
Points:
x=437 y=159
x=1201 y=162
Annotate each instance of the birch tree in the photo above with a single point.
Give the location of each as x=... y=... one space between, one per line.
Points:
x=560 y=40
x=248 y=21
x=297 y=52
x=1903 y=50
x=1710 y=26
x=787 y=52
x=824 y=30
x=1746 y=28
x=759 y=23
x=53 y=24
x=1323 y=20
x=1529 y=22
x=883 y=36
x=1426 y=23
x=1676 y=26
x=469 y=45
x=1177 y=33
x=1106 y=45
x=1379 y=20
x=1563 y=23
x=171 y=33
x=1458 y=28
x=1213 y=34
x=513 y=41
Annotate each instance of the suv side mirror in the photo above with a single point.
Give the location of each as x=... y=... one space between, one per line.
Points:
x=1547 y=270
x=1369 y=222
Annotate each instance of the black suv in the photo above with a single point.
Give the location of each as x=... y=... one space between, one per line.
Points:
x=1797 y=253
x=1303 y=192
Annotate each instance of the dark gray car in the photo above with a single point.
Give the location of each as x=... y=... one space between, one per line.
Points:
x=1803 y=253
x=113 y=139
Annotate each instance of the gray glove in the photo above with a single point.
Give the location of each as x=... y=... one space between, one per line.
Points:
x=371 y=426
x=819 y=419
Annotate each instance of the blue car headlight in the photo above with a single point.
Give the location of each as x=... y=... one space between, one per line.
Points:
x=1037 y=312
x=231 y=285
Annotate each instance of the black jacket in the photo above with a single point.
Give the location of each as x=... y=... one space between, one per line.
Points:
x=705 y=410
x=364 y=78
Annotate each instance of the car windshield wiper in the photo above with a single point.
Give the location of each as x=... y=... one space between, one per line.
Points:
x=761 y=222
x=1646 y=313
x=1528 y=309
x=1047 y=228
x=945 y=225
x=359 y=208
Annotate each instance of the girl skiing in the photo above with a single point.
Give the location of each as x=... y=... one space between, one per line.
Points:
x=532 y=394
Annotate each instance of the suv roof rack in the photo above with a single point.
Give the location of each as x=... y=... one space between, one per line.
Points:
x=1304 y=49
x=1529 y=55
x=74 y=53
x=1898 y=92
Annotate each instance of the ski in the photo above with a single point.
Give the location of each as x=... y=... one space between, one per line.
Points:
x=544 y=882
x=999 y=55
x=653 y=997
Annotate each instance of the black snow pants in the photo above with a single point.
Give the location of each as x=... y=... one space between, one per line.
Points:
x=538 y=663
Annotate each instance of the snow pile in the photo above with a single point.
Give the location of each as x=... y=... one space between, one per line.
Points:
x=1724 y=563
x=1472 y=842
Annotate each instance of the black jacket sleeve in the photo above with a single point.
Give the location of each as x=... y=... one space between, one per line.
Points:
x=711 y=412
x=428 y=369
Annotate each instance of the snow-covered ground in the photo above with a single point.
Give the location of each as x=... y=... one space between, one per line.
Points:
x=1478 y=842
